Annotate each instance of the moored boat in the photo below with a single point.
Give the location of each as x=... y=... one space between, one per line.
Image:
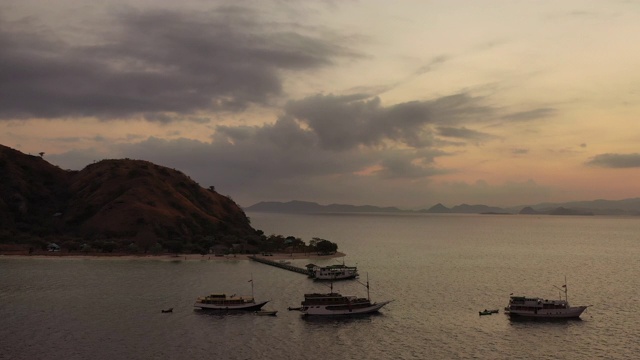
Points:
x=336 y=304
x=229 y=303
x=224 y=302
x=538 y=308
x=334 y=272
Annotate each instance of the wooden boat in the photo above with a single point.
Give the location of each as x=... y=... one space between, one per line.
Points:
x=485 y=312
x=333 y=272
x=167 y=310
x=229 y=303
x=335 y=304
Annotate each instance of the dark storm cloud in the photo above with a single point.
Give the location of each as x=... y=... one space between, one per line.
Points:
x=319 y=137
x=260 y=161
x=399 y=165
x=615 y=160
x=345 y=122
x=155 y=64
x=531 y=114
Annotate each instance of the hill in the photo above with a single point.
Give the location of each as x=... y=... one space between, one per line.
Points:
x=120 y=203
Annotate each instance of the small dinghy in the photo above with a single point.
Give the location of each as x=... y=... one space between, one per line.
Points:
x=488 y=312
x=266 y=312
x=167 y=310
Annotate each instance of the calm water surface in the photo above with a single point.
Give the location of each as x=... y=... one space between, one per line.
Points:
x=439 y=269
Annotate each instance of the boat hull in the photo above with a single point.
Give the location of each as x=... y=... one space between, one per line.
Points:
x=569 y=313
x=242 y=307
x=325 y=311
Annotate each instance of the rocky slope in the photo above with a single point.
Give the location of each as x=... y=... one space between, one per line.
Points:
x=121 y=201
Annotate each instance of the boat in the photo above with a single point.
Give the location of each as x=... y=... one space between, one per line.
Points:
x=335 y=304
x=266 y=312
x=489 y=312
x=333 y=272
x=526 y=307
x=229 y=303
x=167 y=310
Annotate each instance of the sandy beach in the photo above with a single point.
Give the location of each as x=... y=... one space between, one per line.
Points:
x=168 y=257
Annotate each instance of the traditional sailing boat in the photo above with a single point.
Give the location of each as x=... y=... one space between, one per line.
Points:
x=229 y=303
x=335 y=304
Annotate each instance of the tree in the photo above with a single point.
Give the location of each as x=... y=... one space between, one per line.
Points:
x=156 y=248
x=133 y=247
x=41 y=154
x=174 y=246
x=326 y=247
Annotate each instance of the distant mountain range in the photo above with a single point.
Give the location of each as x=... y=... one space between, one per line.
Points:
x=629 y=207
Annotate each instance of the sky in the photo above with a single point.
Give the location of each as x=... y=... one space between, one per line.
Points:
x=404 y=103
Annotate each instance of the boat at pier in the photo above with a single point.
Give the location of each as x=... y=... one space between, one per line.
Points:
x=334 y=272
x=538 y=308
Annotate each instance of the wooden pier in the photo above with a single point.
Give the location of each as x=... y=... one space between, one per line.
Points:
x=281 y=265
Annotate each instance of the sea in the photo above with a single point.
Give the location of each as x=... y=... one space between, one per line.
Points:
x=440 y=270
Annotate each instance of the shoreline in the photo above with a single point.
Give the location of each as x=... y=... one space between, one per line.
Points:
x=169 y=257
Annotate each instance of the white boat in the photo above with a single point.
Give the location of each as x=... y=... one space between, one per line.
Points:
x=335 y=304
x=229 y=303
x=334 y=272
x=539 y=308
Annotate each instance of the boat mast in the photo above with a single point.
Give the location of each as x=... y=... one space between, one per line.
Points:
x=563 y=289
x=368 y=297
x=366 y=285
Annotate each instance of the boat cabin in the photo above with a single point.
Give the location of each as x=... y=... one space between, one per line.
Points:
x=529 y=303
x=219 y=299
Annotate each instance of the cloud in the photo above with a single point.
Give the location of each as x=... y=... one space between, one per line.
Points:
x=529 y=115
x=155 y=64
x=464 y=133
x=615 y=161
x=407 y=166
x=345 y=122
x=351 y=140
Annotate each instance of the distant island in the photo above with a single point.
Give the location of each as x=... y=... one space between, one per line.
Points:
x=627 y=207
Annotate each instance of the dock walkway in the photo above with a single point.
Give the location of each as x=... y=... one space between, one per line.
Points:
x=280 y=265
